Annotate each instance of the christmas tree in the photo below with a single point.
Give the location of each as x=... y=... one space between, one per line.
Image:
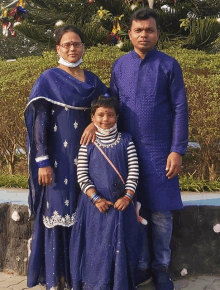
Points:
x=96 y=18
x=105 y=21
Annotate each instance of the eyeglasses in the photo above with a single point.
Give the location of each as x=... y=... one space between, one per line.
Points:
x=67 y=45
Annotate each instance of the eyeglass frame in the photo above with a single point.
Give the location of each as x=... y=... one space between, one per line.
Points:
x=75 y=44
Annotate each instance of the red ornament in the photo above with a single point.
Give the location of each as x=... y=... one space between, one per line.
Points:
x=91 y=1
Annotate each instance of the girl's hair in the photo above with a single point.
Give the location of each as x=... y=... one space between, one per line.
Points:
x=67 y=28
x=106 y=102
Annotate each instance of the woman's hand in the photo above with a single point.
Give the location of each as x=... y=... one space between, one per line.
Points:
x=88 y=135
x=103 y=205
x=45 y=175
x=121 y=204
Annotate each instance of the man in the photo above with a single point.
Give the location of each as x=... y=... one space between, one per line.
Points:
x=153 y=109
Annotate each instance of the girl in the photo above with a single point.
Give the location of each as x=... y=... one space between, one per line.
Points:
x=103 y=246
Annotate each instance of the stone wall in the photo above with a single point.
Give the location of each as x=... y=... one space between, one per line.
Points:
x=15 y=231
x=195 y=243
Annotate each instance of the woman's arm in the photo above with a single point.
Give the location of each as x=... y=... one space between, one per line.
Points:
x=88 y=134
x=45 y=172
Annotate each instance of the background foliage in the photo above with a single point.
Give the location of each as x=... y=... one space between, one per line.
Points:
x=191 y=23
x=202 y=79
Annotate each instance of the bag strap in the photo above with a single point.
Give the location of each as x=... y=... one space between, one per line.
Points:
x=109 y=161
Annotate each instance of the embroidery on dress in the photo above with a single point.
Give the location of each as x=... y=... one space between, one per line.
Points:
x=58 y=220
x=76 y=161
x=55 y=164
x=109 y=145
x=65 y=144
x=75 y=125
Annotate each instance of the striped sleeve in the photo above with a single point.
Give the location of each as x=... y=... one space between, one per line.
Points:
x=133 y=168
x=83 y=170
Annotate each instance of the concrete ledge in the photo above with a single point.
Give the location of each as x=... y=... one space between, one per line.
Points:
x=15 y=231
x=195 y=243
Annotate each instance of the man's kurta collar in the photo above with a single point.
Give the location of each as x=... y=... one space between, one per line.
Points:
x=148 y=54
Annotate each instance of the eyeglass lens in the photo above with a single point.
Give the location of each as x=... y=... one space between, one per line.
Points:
x=69 y=44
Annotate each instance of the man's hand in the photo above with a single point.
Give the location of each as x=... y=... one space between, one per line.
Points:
x=174 y=162
x=121 y=204
x=88 y=135
x=45 y=175
x=103 y=205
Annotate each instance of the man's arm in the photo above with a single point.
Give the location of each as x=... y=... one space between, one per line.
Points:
x=113 y=83
x=180 y=121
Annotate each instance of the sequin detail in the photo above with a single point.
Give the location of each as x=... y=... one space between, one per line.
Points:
x=109 y=145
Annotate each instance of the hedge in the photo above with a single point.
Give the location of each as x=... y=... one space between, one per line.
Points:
x=202 y=79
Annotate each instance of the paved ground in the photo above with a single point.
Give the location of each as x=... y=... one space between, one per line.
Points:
x=11 y=282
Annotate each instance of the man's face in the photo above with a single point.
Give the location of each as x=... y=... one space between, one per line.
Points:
x=144 y=35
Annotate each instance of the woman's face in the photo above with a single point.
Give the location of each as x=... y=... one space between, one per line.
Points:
x=71 y=47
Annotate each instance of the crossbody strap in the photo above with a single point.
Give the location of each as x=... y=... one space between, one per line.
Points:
x=109 y=161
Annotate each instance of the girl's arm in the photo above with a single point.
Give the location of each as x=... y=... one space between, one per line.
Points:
x=133 y=168
x=84 y=181
x=132 y=179
x=86 y=184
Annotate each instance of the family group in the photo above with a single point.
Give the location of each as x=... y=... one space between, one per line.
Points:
x=104 y=165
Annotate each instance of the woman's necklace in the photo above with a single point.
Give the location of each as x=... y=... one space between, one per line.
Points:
x=76 y=73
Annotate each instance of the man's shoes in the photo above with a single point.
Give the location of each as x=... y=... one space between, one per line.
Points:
x=163 y=280
x=143 y=277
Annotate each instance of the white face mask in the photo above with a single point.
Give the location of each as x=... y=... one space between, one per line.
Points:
x=107 y=132
x=70 y=64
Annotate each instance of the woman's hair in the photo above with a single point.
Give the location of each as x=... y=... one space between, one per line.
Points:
x=105 y=102
x=143 y=14
x=67 y=28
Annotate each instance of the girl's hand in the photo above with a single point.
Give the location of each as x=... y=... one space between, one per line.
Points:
x=88 y=135
x=103 y=205
x=121 y=204
x=45 y=175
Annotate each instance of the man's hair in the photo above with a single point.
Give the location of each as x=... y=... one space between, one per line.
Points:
x=143 y=14
x=105 y=102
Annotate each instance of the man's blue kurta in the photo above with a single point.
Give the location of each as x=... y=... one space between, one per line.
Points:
x=153 y=109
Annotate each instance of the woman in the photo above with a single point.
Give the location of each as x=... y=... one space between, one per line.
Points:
x=56 y=116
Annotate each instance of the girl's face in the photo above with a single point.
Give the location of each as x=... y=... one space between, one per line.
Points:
x=104 y=118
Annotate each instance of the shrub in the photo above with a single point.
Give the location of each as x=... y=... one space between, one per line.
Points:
x=201 y=75
x=202 y=32
x=17 y=181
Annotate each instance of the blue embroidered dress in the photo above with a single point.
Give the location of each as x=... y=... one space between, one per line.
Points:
x=153 y=109
x=56 y=116
x=103 y=247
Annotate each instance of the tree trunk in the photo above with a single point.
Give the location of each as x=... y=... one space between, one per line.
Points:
x=212 y=171
x=11 y=167
x=204 y=171
x=151 y=4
